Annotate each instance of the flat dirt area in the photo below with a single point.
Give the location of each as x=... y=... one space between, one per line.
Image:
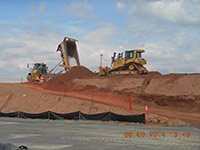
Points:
x=172 y=99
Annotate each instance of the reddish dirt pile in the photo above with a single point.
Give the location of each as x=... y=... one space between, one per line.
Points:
x=177 y=91
x=165 y=95
x=76 y=72
x=88 y=94
x=17 y=97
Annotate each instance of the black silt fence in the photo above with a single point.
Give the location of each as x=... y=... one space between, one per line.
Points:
x=127 y=118
x=106 y=116
x=101 y=116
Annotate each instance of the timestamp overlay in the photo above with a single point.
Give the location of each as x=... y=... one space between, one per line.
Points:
x=185 y=137
x=96 y=135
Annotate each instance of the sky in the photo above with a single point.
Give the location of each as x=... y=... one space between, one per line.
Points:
x=168 y=31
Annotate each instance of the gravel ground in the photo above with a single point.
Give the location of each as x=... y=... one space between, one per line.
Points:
x=89 y=135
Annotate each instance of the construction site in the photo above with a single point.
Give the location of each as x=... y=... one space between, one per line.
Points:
x=126 y=88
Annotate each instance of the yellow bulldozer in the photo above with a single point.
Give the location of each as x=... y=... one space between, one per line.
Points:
x=68 y=51
x=131 y=63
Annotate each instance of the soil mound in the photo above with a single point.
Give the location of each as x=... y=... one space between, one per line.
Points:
x=175 y=85
x=154 y=73
x=16 y=97
x=77 y=72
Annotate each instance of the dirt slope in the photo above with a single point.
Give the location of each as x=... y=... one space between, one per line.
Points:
x=173 y=90
x=173 y=85
x=178 y=93
x=16 y=97
x=172 y=99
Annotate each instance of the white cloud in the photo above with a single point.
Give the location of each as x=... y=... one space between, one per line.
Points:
x=198 y=69
x=98 y=36
x=179 y=12
x=188 y=57
x=160 y=57
x=157 y=52
x=36 y=48
x=120 y=6
x=169 y=59
x=179 y=37
x=174 y=12
x=80 y=9
x=95 y=43
x=3 y=63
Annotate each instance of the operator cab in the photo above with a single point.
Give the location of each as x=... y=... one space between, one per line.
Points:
x=129 y=54
x=138 y=54
x=42 y=68
x=38 y=65
x=133 y=54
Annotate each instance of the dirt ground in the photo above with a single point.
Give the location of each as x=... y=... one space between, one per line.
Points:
x=172 y=99
x=17 y=97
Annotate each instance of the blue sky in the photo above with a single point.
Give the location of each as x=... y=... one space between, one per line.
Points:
x=169 y=31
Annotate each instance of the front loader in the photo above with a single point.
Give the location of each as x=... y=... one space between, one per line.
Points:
x=38 y=70
x=68 y=51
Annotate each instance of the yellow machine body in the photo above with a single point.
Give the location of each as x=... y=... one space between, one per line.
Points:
x=37 y=71
x=68 y=49
x=131 y=63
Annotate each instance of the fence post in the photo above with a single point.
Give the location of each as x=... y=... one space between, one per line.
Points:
x=18 y=114
x=79 y=115
x=49 y=115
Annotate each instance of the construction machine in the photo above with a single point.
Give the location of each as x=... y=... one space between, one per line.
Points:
x=131 y=63
x=38 y=70
x=68 y=51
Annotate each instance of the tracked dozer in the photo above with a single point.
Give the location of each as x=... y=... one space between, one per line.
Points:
x=68 y=51
x=131 y=63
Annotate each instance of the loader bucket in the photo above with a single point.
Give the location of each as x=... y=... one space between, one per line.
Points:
x=68 y=49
